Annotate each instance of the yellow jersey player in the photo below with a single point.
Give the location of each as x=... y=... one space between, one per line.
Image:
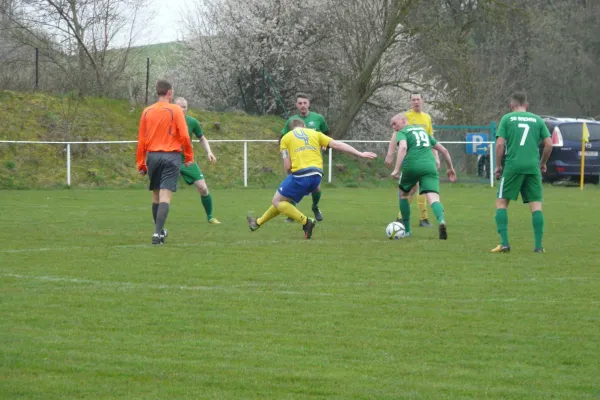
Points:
x=302 y=158
x=415 y=116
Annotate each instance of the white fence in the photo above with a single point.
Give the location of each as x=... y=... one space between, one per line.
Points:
x=245 y=144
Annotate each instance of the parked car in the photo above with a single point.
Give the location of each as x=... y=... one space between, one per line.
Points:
x=565 y=161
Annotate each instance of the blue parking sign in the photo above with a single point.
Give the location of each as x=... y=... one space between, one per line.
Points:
x=477 y=144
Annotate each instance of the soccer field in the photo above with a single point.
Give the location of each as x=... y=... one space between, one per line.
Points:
x=90 y=309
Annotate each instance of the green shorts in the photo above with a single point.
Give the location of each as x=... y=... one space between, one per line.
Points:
x=192 y=173
x=428 y=182
x=529 y=185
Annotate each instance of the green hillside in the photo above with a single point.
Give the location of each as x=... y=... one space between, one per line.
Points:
x=41 y=117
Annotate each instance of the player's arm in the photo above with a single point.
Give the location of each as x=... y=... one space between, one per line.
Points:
x=184 y=137
x=435 y=152
x=391 y=150
x=141 y=147
x=402 y=148
x=500 y=146
x=546 y=153
x=287 y=163
x=207 y=150
x=446 y=155
x=346 y=148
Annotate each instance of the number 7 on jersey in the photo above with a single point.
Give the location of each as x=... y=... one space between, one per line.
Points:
x=525 y=132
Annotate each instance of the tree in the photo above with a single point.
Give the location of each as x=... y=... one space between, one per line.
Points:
x=90 y=40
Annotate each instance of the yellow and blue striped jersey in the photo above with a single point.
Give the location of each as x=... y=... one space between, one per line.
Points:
x=303 y=147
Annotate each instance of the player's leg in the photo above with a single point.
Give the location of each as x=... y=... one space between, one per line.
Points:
x=430 y=188
x=508 y=190
x=316 y=197
x=411 y=195
x=406 y=184
x=170 y=167
x=422 y=203
x=206 y=199
x=532 y=193
x=294 y=189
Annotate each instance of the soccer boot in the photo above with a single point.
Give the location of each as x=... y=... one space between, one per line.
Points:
x=163 y=234
x=214 y=221
x=252 y=223
x=289 y=220
x=539 y=250
x=308 y=228
x=501 y=249
x=317 y=212
x=424 y=223
x=443 y=231
x=156 y=239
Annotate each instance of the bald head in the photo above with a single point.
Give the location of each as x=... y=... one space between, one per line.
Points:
x=399 y=122
x=181 y=102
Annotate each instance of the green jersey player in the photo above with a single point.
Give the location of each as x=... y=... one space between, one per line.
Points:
x=315 y=121
x=520 y=133
x=192 y=175
x=416 y=164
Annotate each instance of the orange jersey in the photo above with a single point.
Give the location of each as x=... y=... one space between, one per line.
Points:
x=163 y=128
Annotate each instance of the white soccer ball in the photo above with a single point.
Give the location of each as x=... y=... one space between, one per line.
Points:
x=395 y=230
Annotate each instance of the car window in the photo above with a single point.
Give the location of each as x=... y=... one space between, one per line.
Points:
x=573 y=131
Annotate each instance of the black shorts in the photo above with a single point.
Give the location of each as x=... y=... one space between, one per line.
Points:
x=163 y=170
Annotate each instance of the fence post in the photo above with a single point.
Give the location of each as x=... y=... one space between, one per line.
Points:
x=69 y=164
x=147 y=77
x=329 y=170
x=245 y=164
x=37 y=68
x=492 y=150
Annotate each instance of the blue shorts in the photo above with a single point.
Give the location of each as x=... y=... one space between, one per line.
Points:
x=296 y=188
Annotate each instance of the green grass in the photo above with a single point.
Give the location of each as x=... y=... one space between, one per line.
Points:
x=89 y=309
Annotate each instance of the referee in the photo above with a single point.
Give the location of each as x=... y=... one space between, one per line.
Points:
x=161 y=137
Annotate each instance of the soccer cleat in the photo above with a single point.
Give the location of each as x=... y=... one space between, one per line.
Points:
x=407 y=234
x=308 y=228
x=158 y=239
x=443 y=231
x=424 y=223
x=163 y=235
x=252 y=223
x=318 y=215
x=214 y=221
x=539 y=250
x=501 y=249
x=289 y=220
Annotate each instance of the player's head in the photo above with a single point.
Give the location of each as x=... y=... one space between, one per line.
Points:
x=302 y=103
x=296 y=123
x=165 y=90
x=181 y=102
x=416 y=102
x=518 y=101
x=399 y=121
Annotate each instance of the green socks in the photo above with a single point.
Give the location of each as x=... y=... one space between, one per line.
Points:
x=316 y=196
x=207 y=204
x=537 y=219
x=438 y=210
x=502 y=224
x=405 y=211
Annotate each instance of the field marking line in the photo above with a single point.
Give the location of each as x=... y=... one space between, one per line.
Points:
x=134 y=285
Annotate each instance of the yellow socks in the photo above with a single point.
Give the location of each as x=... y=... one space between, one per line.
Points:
x=292 y=212
x=271 y=213
x=422 y=202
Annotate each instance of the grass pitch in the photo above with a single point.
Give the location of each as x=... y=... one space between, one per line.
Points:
x=89 y=309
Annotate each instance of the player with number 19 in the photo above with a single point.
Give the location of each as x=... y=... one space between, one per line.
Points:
x=417 y=163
